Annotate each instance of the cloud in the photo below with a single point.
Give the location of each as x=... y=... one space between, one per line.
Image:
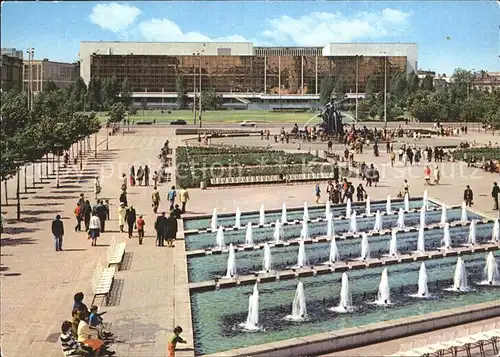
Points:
x=320 y=28
x=113 y=16
x=167 y=30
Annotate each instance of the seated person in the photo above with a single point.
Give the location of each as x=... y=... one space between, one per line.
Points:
x=95 y=321
x=78 y=304
x=90 y=336
x=70 y=346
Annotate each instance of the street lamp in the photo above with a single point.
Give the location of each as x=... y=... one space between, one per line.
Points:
x=200 y=110
x=18 y=194
x=31 y=54
x=385 y=89
x=80 y=151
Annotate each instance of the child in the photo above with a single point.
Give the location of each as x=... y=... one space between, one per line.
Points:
x=172 y=342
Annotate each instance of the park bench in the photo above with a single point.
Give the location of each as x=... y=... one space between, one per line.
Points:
x=102 y=281
x=270 y=178
x=115 y=252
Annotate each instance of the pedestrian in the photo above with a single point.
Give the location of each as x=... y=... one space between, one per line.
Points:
x=78 y=216
x=417 y=157
x=427 y=175
x=393 y=158
x=87 y=213
x=171 y=197
x=176 y=212
x=160 y=227
x=494 y=194
x=140 y=228
x=155 y=178
x=58 y=233
x=140 y=175
x=184 y=197
x=376 y=176
x=132 y=176
x=130 y=218
x=468 y=196
x=121 y=216
x=400 y=154
x=317 y=192
x=94 y=228
x=155 y=197
x=406 y=188
x=97 y=187
x=124 y=182
x=123 y=198
x=336 y=172
x=171 y=229
x=106 y=206
x=388 y=147
x=360 y=192
x=146 y=175
x=437 y=175
x=174 y=340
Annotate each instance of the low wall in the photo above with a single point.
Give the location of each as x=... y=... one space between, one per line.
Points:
x=318 y=344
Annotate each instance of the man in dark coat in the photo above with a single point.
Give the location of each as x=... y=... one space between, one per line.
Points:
x=161 y=229
x=468 y=196
x=335 y=172
x=171 y=232
x=494 y=194
x=58 y=232
x=123 y=198
x=102 y=213
x=130 y=218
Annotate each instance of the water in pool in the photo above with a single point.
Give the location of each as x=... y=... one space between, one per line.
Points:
x=217 y=328
x=229 y=220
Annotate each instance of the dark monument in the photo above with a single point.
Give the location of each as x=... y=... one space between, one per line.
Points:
x=332 y=120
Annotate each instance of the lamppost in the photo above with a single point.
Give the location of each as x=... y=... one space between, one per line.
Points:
x=357 y=80
x=80 y=151
x=18 y=194
x=194 y=88
x=107 y=136
x=200 y=110
x=95 y=146
x=385 y=89
x=31 y=54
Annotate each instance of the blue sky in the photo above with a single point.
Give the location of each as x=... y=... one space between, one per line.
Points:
x=449 y=34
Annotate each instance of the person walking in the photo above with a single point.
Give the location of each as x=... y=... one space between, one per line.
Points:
x=140 y=175
x=123 y=182
x=155 y=197
x=406 y=188
x=97 y=187
x=103 y=214
x=121 y=216
x=87 y=213
x=468 y=196
x=437 y=175
x=58 y=233
x=495 y=191
x=427 y=175
x=155 y=178
x=317 y=192
x=140 y=228
x=360 y=192
x=123 y=198
x=171 y=195
x=130 y=218
x=146 y=175
x=184 y=197
x=94 y=228
x=161 y=228
x=132 y=176
x=78 y=216
x=393 y=158
x=171 y=229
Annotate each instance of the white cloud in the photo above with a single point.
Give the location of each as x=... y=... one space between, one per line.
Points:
x=167 y=30
x=113 y=16
x=319 y=28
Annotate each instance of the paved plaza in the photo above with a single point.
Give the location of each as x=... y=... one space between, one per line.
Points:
x=150 y=294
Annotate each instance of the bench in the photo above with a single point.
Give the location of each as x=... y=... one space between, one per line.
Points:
x=102 y=281
x=115 y=252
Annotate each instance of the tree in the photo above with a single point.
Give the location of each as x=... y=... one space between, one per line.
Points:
x=363 y=110
x=93 y=98
x=326 y=88
x=210 y=100
x=117 y=113
x=78 y=93
x=339 y=88
x=413 y=83
x=372 y=87
x=427 y=83
x=126 y=93
x=180 y=87
x=50 y=86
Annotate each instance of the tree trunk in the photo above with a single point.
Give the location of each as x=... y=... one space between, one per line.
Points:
x=5 y=189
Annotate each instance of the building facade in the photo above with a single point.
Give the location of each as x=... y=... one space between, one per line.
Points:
x=12 y=73
x=242 y=70
x=40 y=72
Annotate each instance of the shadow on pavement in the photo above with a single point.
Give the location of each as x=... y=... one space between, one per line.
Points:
x=17 y=230
x=16 y=241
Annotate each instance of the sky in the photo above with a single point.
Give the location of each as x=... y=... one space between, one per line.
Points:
x=449 y=34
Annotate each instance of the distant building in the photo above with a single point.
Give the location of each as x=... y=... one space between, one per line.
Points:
x=487 y=81
x=423 y=74
x=240 y=72
x=12 y=69
x=44 y=71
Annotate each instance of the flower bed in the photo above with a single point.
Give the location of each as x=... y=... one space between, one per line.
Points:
x=194 y=166
x=478 y=153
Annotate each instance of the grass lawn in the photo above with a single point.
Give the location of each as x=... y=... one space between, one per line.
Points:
x=222 y=116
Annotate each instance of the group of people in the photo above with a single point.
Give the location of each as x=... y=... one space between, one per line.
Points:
x=93 y=217
x=339 y=192
x=141 y=175
x=84 y=334
x=409 y=155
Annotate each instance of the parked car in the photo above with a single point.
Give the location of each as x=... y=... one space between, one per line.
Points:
x=248 y=123
x=178 y=122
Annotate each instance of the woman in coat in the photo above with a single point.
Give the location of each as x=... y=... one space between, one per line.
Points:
x=121 y=216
